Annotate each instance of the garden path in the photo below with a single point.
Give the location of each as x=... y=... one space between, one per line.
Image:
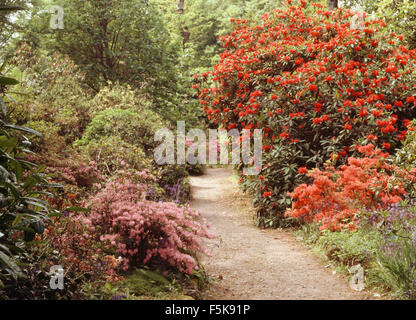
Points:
x=251 y=263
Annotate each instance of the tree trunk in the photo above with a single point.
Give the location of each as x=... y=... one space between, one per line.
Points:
x=332 y=4
x=184 y=30
x=181 y=4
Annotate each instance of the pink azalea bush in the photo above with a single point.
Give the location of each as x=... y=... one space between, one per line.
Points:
x=143 y=231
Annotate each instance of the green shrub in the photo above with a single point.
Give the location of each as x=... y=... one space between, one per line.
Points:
x=53 y=92
x=50 y=142
x=116 y=96
x=174 y=179
x=405 y=156
x=24 y=209
x=135 y=128
x=350 y=248
x=111 y=152
x=279 y=174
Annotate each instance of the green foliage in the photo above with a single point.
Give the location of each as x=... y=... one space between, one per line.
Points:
x=202 y=22
x=51 y=140
x=53 y=92
x=397 y=270
x=8 y=9
x=345 y=247
x=350 y=248
x=109 y=152
x=384 y=245
x=400 y=15
x=23 y=191
x=405 y=156
x=279 y=174
x=135 y=128
x=118 y=96
x=111 y=49
x=23 y=210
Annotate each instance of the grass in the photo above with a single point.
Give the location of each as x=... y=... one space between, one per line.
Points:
x=342 y=250
x=145 y=284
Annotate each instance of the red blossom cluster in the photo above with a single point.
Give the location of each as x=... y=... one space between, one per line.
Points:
x=336 y=195
x=314 y=83
x=314 y=70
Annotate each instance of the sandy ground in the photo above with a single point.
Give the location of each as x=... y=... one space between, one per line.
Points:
x=250 y=263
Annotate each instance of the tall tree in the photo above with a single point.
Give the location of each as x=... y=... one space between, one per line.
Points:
x=8 y=15
x=112 y=40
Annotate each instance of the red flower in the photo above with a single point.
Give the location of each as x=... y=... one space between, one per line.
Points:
x=386 y=145
x=313 y=87
x=410 y=99
x=363 y=112
x=347 y=103
x=302 y=170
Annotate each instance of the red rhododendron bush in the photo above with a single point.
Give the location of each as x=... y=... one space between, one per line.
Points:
x=336 y=196
x=142 y=231
x=316 y=86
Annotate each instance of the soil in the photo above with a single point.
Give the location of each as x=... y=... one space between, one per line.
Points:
x=251 y=263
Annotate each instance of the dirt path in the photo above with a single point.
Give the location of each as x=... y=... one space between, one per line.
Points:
x=250 y=263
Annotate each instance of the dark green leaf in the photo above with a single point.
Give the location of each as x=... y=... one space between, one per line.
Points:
x=8 y=81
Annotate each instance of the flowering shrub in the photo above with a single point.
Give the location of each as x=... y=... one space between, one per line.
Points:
x=64 y=243
x=77 y=173
x=337 y=195
x=279 y=174
x=405 y=157
x=313 y=83
x=143 y=231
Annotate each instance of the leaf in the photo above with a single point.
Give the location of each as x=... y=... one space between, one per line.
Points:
x=78 y=209
x=8 y=144
x=108 y=286
x=29 y=235
x=55 y=214
x=19 y=170
x=154 y=276
x=16 y=221
x=3 y=65
x=11 y=99
x=37 y=204
x=5 y=249
x=24 y=129
x=6 y=260
x=29 y=183
x=4 y=172
x=8 y=81
x=13 y=189
x=3 y=106
x=38 y=226
x=11 y=8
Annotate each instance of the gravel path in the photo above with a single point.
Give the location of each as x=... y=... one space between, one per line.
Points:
x=250 y=263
